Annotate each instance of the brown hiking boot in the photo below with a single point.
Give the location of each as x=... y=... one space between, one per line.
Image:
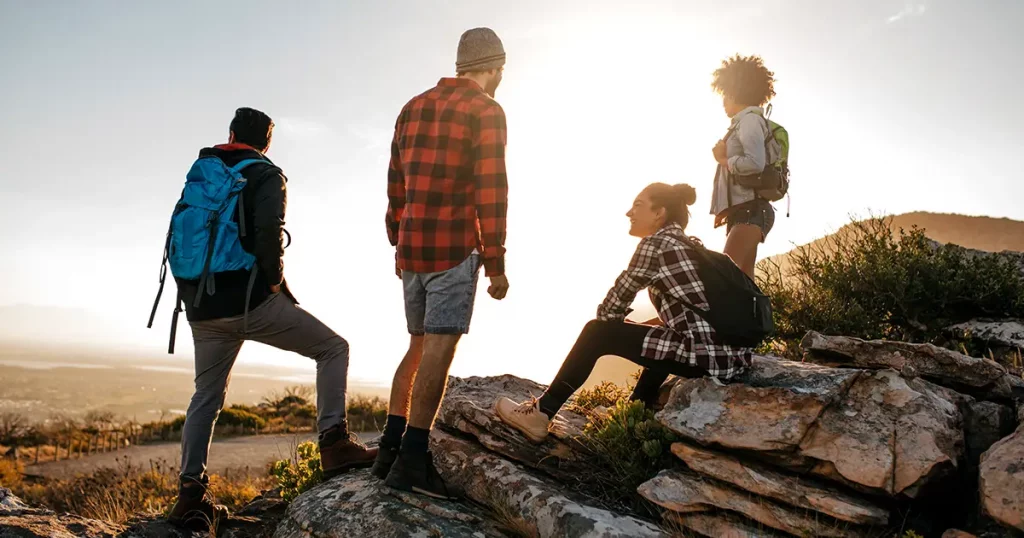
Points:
x=341 y=452
x=195 y=508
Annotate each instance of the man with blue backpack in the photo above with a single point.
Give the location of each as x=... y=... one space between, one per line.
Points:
x=225 y=249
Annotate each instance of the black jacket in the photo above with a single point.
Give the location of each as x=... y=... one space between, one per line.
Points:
x=265 y=197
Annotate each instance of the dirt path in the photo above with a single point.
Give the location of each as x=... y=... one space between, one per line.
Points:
x=254 y=452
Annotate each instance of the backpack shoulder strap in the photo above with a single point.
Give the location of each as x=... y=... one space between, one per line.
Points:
x=242 y=165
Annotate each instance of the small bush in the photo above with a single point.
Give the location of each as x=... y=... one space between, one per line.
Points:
x=366 y=413
x=871 y=282
x=605 y=394
x=233 y=416
x=630 y=446
x=299 y=474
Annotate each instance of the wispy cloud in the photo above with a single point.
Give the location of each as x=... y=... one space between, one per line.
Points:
x=910 y=9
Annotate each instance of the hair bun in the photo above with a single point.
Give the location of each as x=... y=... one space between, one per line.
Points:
x=686 y=193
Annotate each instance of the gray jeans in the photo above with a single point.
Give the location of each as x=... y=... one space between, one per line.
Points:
x=277 y=322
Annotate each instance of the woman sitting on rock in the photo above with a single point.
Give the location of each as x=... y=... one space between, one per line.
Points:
x=677 y=342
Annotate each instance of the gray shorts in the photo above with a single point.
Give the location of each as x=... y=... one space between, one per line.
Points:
x=441 y=303
x=758 y=213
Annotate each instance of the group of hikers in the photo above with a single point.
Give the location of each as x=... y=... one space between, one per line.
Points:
x=446 y=217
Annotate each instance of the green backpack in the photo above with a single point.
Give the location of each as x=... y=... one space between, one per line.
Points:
x=772 y=183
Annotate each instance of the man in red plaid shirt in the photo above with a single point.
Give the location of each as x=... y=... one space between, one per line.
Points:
x=447 y=200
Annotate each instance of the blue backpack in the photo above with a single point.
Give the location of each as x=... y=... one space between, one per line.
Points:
x=203 y=238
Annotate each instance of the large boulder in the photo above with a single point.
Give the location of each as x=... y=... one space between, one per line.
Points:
x=468 y=407
x=790 y=489
x=871 y=430
x=889 y=435
x=685 y=492
x=769 y=409
x=938 y=364
x=358 y=504
x=538 y=504
x=1001 y=481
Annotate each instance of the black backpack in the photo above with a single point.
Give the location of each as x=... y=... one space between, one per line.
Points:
x=738 y=311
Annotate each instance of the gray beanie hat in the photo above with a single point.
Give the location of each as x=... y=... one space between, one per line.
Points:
x=479 y=50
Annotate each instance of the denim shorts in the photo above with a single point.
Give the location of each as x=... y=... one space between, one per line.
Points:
x=759 y=212
x=442 y=302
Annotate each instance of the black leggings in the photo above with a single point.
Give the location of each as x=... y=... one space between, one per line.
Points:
x=626 y=340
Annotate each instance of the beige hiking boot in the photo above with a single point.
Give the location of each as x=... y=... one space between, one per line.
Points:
x=525 y=417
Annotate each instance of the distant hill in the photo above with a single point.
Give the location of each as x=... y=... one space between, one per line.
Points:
x=980 y=233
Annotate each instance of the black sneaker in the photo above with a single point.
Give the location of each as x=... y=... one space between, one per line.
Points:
x=416 y=473
x=195 y=508
x=386 y=457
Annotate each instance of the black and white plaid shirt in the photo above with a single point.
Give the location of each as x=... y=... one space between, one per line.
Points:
x=663 y=263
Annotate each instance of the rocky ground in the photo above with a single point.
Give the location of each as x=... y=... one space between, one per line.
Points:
x=861 y=439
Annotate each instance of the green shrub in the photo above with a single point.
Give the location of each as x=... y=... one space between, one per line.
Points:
x=233 y=416
x=300 y=474
x=630 y=447
x=366 y=413
x=606 y=394
x=869 y=281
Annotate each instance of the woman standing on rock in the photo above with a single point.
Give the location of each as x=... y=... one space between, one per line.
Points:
x=746 y=85
x=677 y=342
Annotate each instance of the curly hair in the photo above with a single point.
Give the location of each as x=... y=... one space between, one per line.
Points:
x=745 y=80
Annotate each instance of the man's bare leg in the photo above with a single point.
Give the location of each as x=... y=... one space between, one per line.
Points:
x=401 y=385
x=398 y=407
x=413 y=469
x=431 y=379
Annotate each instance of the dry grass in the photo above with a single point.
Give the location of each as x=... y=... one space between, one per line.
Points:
x=121 y=493
x=10 y=474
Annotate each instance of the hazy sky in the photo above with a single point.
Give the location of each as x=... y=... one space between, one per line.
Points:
x=891 y=106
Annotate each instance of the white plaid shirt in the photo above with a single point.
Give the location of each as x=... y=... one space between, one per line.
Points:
x=663 y=264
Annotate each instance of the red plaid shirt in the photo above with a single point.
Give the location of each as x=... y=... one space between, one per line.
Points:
x=447 y=187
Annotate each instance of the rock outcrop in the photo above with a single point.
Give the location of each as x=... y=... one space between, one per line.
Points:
x=940 y=365
x=358 y=504
x=539 y=504
x=889 y=435
x=684 y=492
x=873 y=430
x=468 y=407
x=790 y=489
x=770 y=409
x=1002 y=481
x=997 y=333
x=839 y=445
